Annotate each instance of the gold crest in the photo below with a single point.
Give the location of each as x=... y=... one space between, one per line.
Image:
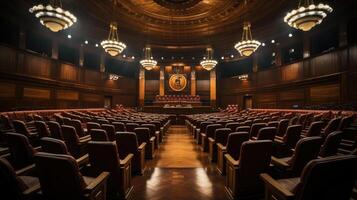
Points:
x=177 y=82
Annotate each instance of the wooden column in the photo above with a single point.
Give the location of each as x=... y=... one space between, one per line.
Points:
x=193 y=82
x=54 y=49
x=141 y=87
x=213 y=82
x=22 y=39
x=102 y=62
x=162 y=81
x=81 y=55
x=306 y=45
x=255 y=63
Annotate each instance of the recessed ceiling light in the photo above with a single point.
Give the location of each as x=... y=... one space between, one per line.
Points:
x=86 y=42
x=193 y=58
x=291 y=50
x=290 y=35
x=133 y=57
x=232 y=56
x=69 y=36
x=96 y=45
x=222 y=57
x=273 y=54
x=162 y=58
x=182 y=58
x=263 y=44
x=124 y=56
x=272 y=41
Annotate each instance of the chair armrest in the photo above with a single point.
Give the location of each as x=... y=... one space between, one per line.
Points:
x=101 y=179
x=211 y=140
x=273 y=186
x=254 y=138
x=142 y=146
x=231 y=160
x=31 y=191
x=83 y=160
x=220 y=146
x=127 y=159
x=203 y=134
x=279 y=137
x=277 y=140
x=39 y=148
x=279 y=163
x=25 y=170
x=152 y=139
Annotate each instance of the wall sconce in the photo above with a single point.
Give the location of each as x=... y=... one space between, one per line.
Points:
x=243 y=77
x=113 y=77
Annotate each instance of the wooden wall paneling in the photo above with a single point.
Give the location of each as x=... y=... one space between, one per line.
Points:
x=37 y=66
x=292 y=72
x=93 y=77
x=268 y=77
x=68 y=72
x=325 y=94
x=152 y=88
x=36 y=93
x=325 y=64
x=7 y=90
x=8 y=60
x=126 y=100
x=67 y=95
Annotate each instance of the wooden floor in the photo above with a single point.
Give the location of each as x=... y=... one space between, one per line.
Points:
x=180 y=171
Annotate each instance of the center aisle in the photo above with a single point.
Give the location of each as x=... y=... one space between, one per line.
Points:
x=179 y=171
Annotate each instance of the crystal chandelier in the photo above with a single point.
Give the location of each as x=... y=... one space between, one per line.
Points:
x=308 y=15
x=148 y=62
x=112 y=45
x=53 y=16
x=247 y=46
x=209 y=63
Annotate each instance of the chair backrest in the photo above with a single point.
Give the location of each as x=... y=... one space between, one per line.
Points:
x=210 y=130
x=102 y=121
x=331 y=126
x=119 y=126
x=282 y=127
x=21 y=151
x=110 y=129
x=131 y=126
x=292 y=135
x=78 y=126
x=331 y=144
x=99 y=135
x=52 y=145
x=151 y=127
x=127 y=143
x=267 y=133
x=55 y=130
x=92 y=125
x=328 y=178
x=66 y=121
x=274 y=124
x=315 y=129
x=203 y=126
x=59 y=176
x=20 y=127
x=345 y=122
x=38 y=118
x=232 y=125
x=143 y=134
x=306 y=150
x=254 y=130
x=243 y=129
x=234 y=143
x=250 y=167
x=71 y=139
x=42 y=129
x=11 y=187
x=221 y=135
x=5 y=120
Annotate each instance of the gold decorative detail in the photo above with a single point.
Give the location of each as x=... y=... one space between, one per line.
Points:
x=178 y=82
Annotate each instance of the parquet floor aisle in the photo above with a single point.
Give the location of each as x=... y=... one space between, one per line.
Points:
x=179 y=171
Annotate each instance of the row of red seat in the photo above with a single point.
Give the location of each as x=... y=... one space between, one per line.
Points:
x=281 y=151
x=178 y=98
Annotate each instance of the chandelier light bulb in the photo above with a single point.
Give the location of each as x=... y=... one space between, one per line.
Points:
x=307 y=15
x=112 y=45
x=208 y=63
x=53 y=17
x=148 y=62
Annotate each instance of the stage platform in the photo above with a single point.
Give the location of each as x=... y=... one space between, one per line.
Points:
x=178 y=110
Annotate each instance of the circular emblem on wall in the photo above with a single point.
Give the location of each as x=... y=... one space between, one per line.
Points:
x=177 y=82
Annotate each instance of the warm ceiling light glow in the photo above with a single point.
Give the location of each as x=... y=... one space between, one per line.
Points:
x=148 y=62
x=86 y=42
x=263 y=44
x=96 y=45
x=53 y=16
x=112 y=45
x=133 y=57
x=232 y=56
x=247 y=46
x=272 y=41
x=222 y=57
x=209 y=63
x=69 y=36
x=113 y=77
x=307 y=15
x=290 y=35
x=243 y=77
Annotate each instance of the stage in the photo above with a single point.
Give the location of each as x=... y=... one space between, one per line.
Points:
x=177 y=110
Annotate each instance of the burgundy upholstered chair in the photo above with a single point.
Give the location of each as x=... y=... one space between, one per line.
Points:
x=306 y=150
x=21 y=151
x=254 y=130
x=327 y=178
x=20 y=127
x=110 y=129
x=119 y=126
x=103 y=156
x=203 y=125
x=314 y=129
x=210 y=130
x=282 y=127
x=79 y=129
x=42 y=129
x=267 y=133
x=331 y=144
x=17 y=185
x=243 y=175
x=143 y=135
x=127 y=143
x=220 y=136
x=75 y=146
x=55 y=130
x=274 y=124
x=131 y=126
x=283 y=145
x=92 y=125
x=331 y=127
x=345 y=122
x=60 y=179
x=243 y=129
x=98 y=135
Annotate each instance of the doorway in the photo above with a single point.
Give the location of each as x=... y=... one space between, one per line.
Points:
x=248 y=101
x=108 y=101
